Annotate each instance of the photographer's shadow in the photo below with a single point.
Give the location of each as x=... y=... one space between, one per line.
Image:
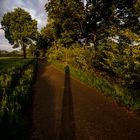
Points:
x=67 y=126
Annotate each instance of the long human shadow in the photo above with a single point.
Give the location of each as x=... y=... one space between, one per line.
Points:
x=67 y=126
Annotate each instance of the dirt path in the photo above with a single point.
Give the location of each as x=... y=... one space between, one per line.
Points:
x=65 y=109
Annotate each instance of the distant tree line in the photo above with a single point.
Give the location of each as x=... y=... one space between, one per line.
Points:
x=14 y=53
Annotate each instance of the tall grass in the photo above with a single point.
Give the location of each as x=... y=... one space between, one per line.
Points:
x=15 y=100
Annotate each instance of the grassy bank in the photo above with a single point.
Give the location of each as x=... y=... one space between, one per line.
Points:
x=122 y=96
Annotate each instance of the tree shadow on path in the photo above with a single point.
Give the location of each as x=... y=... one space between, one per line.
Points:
x=67 y=126
x=43 y=107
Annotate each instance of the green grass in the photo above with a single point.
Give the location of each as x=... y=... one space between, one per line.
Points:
x=15 y=95
x=124 y=97
x=7 y=62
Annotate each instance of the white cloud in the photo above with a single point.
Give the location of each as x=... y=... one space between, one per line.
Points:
x=4 y=44
x=5 y=47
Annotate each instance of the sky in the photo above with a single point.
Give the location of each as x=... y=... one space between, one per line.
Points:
x=34 y=7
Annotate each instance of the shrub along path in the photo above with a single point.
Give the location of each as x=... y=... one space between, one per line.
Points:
x=65 y=109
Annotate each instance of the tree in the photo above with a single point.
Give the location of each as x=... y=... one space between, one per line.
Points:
x=98 y=13
x=45 y=39
x=103 y=15
x=20 y=29
x=115 y=29
x=66 y=17
x=31 y=51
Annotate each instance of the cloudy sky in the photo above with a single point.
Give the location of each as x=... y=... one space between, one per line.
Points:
x=34 y=7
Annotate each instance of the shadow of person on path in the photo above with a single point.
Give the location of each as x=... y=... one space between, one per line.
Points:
x=67 y=126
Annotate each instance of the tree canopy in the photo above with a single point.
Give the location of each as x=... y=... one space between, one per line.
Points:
x=107 y=18
x=112 y=26
x=20 y=29
x=66 y=17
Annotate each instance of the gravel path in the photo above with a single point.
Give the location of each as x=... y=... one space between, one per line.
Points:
x=66 y=109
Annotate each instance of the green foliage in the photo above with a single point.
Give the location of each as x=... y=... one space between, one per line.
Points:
x=75 y=55
x=20 y=29
x=15 y=86
x=31 y=51
x=66 y=18
x=56 y=54
x=137 y=7
x=7 y=62
x=102 y=15
x=78 y=57
x=113 y=27
x=98 y=16
x=42 y=42
x=121 y=62
x=9 y=77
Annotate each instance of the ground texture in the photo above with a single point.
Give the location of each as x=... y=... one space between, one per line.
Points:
x=66 y=109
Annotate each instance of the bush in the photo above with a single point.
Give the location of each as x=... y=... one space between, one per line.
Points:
x=118 y=63
x=54 y=54
x=122 y=63
x=76 y=55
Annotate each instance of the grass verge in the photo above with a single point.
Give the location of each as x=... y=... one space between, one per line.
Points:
x=124 y=97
